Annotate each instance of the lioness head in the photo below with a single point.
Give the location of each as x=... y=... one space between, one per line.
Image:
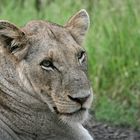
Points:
x=52 y=64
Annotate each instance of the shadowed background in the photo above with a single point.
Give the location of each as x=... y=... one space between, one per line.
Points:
x=113 y=46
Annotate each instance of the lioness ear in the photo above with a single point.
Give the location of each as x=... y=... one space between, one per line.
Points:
x=10 y=36
x=78 y=25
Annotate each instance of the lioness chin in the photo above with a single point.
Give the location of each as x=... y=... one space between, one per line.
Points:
x=45 y=93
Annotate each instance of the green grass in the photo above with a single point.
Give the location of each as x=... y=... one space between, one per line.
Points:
x=114 y=61
x=113 y=46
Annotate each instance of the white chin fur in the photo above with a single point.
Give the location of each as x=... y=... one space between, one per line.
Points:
x=75 y=118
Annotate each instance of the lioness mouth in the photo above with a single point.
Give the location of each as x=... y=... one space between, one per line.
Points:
x=69 y=114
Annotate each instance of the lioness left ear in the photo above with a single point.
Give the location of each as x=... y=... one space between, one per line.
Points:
x=10 y=35
x=78 y=25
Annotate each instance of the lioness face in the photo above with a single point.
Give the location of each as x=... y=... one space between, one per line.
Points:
x=52 y=65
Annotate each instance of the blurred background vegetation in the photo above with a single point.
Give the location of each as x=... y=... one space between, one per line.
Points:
x=113 y=46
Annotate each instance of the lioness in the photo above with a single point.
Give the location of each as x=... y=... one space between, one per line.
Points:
x=44 y=90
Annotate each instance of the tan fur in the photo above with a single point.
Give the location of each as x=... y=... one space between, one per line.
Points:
x=39 y=101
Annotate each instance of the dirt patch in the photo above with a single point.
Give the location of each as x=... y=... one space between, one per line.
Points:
x=103 y=131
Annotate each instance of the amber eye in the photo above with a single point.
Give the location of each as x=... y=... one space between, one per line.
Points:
x=47 y=65
x=81 y=56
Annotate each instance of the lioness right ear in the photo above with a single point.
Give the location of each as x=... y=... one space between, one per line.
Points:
x=10 y=35
x=78 y=25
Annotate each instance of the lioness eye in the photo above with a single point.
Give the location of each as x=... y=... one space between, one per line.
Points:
x=81 y=56
x=47 y=65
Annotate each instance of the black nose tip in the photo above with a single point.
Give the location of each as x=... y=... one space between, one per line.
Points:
x=80 y=100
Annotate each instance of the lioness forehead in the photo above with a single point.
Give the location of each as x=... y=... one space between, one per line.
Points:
x=48 y=30
x=50 y=40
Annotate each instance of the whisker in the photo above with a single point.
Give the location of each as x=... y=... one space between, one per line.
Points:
x=59 y=104
x=64 y=102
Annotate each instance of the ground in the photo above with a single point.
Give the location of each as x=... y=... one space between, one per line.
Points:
x=104 y=131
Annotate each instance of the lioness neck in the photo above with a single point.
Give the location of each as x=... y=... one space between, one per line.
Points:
x=29 y=124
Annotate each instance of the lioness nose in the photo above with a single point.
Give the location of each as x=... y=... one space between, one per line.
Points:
x=80 y=100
